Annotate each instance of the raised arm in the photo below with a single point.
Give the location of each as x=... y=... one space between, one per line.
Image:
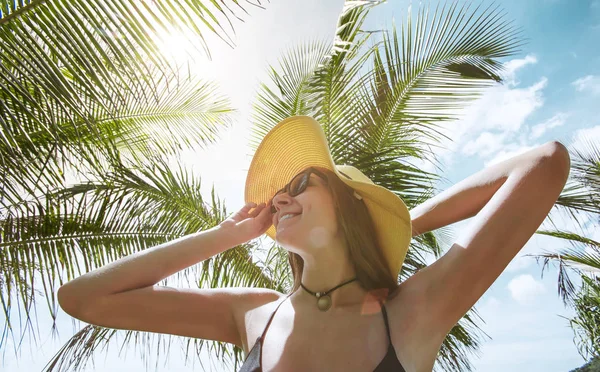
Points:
x=509 y=201
x=466 y=198
x=123 y=294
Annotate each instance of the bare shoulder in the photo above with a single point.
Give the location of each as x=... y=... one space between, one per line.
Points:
x=251 y=301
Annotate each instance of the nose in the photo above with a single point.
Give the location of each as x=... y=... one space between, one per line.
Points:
x=280 y=200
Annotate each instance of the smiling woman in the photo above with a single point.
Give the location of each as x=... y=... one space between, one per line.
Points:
x=347 y=275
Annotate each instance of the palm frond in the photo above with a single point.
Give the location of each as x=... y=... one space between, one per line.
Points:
x=583 y=193
x=69 y=69
x=289 y=95
x=232 y=268
x=586 y=323
x=135 y=207
x=464 y=339
x=575 y=260
x=429 y=71
x=313 y=74
x=167 y=115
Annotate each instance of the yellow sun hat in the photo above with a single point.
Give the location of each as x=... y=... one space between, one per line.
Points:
x=298 y=142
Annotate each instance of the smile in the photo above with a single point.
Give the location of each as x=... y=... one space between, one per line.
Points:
x=286 y=217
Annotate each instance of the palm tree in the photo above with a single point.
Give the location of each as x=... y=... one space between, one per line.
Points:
x=88 y=97
x=591 y=366
x=377 y=105
x=583 y=257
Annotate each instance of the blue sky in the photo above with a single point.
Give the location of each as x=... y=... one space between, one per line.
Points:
x=551 y=92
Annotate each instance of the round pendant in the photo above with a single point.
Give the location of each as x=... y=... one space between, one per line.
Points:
x=324 y=303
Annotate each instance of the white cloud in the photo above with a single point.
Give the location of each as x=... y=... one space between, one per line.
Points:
x=512 y=66
x=589 y=83
x=492 y=122
x=486 y=125
x=506 y=109
x=524 y=288
x=519 y=263
x=557 y=120
x=487 y=143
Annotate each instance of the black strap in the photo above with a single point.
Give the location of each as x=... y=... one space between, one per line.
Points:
x=262 y=337
x=387 y=326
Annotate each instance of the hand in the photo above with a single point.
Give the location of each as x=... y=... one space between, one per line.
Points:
x=246 y=225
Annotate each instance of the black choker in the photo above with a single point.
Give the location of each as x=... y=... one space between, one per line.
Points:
x=323 y=298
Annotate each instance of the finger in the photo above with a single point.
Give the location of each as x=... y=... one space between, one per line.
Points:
x=248 y=206
x=259 y=208
x=265 y=213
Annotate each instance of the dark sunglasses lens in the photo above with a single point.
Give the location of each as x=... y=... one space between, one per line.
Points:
x=299 y=183
x=296 y=186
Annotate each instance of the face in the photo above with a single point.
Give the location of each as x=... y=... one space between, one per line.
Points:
x=313 y=223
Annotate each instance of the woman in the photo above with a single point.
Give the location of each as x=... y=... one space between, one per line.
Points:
x=346 y=240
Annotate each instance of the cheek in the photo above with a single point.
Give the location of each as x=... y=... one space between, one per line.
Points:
x=321 y=233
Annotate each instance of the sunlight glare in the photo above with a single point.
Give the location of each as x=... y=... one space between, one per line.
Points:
x=178 y=48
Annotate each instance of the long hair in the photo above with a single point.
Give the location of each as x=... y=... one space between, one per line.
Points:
x=365 y=253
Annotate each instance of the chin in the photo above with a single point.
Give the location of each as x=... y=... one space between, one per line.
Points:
x=297 y=241
x=288 y=240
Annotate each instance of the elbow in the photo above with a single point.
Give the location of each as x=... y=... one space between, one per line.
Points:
x=561 y=160
x=69 y=301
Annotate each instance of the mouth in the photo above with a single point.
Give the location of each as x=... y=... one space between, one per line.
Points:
x=288 y=217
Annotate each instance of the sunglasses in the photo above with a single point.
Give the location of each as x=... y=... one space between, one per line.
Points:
x=298 y=184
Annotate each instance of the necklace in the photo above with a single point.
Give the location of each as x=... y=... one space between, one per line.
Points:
x=323 y=298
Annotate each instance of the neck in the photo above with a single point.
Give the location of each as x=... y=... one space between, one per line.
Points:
x=326 y=272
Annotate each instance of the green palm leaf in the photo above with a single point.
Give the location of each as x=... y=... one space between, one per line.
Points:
x=135 y=207
x=83 y=84
x=586 y=324
x=68 y=66
x=574 y=259
x=427 y=74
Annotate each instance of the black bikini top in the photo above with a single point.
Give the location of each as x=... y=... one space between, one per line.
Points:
x=389 y=363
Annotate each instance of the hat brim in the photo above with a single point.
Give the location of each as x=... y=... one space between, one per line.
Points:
x=298 y=142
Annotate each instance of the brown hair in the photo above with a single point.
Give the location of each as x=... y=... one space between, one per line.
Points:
x=359 y=232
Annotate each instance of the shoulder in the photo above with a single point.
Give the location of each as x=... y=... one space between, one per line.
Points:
x=253 y=298
x=249 y=303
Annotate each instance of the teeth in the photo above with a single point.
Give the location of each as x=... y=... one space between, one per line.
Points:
x=286 y=217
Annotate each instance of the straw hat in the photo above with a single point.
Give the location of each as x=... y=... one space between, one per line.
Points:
x=298 y=142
